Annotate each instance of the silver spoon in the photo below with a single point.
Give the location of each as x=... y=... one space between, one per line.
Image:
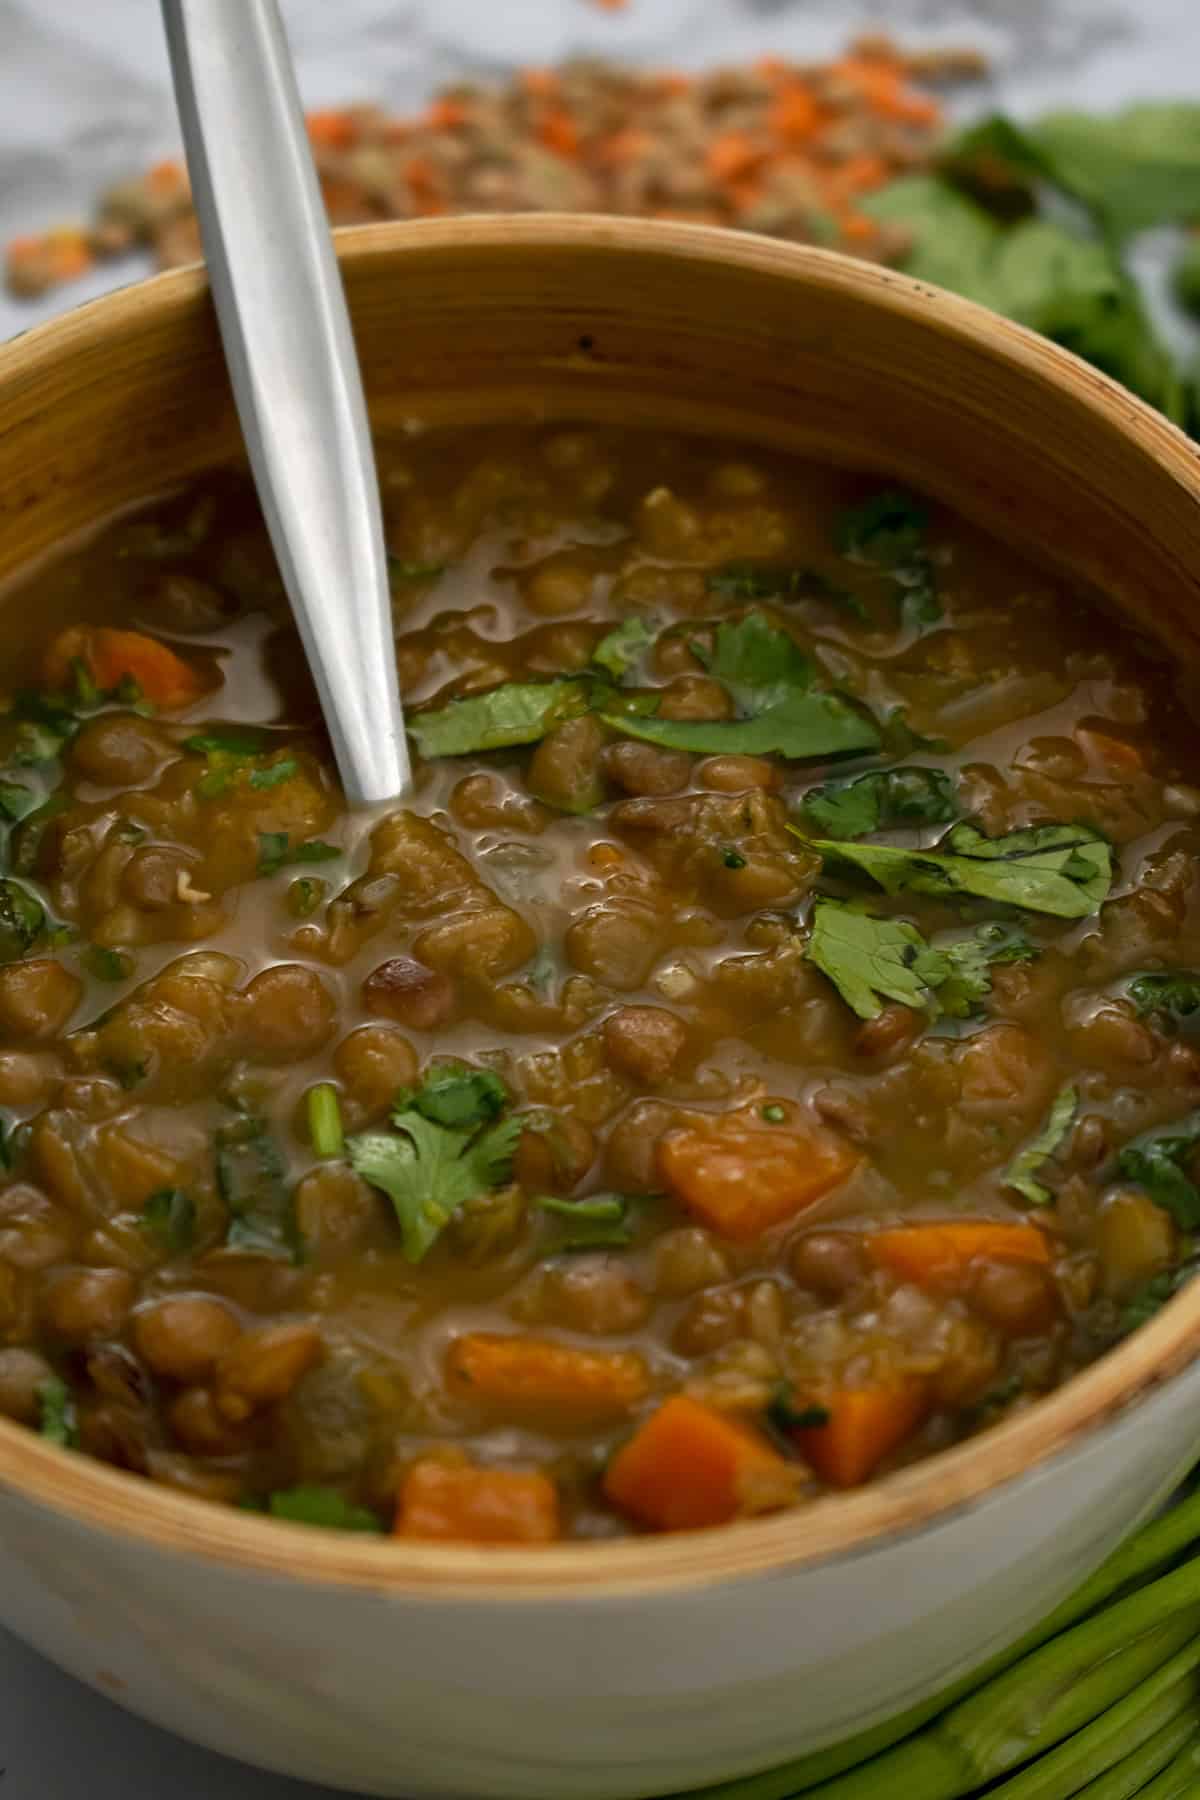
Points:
x=293 y=367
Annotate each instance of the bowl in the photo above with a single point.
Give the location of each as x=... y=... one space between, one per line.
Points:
x=645 y=1665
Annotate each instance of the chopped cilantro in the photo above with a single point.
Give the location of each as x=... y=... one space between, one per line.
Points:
x=597 y=1222
x=1160 y=1161
x=971 y=959
x=1022 y=1170
x=311 y=1504
x=1153 y=1295
x=304 y=895
x=58 y=1421
x=882 y=800
x=15 y=800
x=273 y=774
x=771 y=682
x=520 y=712
x=786 y=1416
x=228 y=740
x=105 y=964
x=1061 y=869
x=250 y=1180
x=780 y=581
x=428 y=1171
x=872 y=960
x=624 y=645
x=130 y=1074
x=1173 y=996
x=13 y=1138
x=413 y=571
x=774 y=1114
x=275 y=852
x=889 y=531
x=169 y=1217
x=455 y=1095
x=22 y=919
x=733 y=859
x=27 y=838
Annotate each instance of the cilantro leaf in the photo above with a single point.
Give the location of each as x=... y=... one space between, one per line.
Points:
x=889 y=531
x=250 y=1176
x=872 y=960
x=22 y=919
x=1065 y=870
x=1134 y=169
x=105 y=964
x=780 y=581
x=1174 y=995
x=1022 y=1169
x=623 y=646
x=428 y=1171
x=228 y=740
x=169 y=1217
x=413 y=571
x=15 y=800
x=971 y=958
x=1160 y=1161
x=599 y=1221
x=311 y=1504
x=273 y=774
x=58 y=1421
x=453 y=1094
x=785 y=1415
x=882 y=800
x=1153 y=1295
x=275 y=852
x=519 y=712
x=771 y=682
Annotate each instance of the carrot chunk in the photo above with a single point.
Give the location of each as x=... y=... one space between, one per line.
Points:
x=939 y=1256
x=865 y=1425
x=528 y=1375
x=741 y=1178
x=111 y=656
x=460 y=1503
x=690 y=1465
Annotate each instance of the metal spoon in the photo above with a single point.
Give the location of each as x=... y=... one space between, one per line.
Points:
x=293 y=367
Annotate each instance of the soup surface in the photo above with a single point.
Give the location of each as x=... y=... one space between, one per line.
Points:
x=757 y=1056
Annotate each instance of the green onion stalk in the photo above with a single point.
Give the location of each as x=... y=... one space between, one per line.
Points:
x=1101 y=1700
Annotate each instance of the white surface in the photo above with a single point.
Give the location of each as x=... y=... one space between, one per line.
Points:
x=84 y=100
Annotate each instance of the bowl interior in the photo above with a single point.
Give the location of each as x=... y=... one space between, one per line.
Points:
x=672 y=326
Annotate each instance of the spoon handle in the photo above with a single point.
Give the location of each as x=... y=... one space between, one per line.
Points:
x=293 y=367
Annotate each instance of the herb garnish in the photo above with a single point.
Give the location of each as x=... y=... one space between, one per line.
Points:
x=519 y=712
x=881 y=800
x=1021 y=1171
x=275 y=852
x=870 y=960
x=1160 y=1161
x=598 y=1221
x=169 y=1217
x=1061 y=869
x=888 y=530
x=58 y=1421
x=442 y=1152
x=250 y=1180
x=311 y=1504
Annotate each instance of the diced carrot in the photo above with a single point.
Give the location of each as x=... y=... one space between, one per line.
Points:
x=1114 y=752
x=865 y=1425
x=857 y=227
x=689 y=1466
x=539 y=81
x=858 y=174
x=741 y=1178
x=460 y=1503
x=940 y=1255
x=332 y=130
x=558 y=131
x=445 y=114
x=528 y=1375
x=110 y=656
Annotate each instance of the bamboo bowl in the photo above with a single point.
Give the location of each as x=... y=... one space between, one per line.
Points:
x=606 y=1671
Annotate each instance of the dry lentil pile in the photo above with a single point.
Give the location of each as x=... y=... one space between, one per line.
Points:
x=778 y=147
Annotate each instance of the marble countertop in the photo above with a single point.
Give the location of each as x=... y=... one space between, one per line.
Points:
x=85 y=101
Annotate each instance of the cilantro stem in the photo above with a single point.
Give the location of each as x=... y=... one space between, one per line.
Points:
x=325 y=1120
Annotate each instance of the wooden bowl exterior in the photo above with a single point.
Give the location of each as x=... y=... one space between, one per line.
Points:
x=734 y=336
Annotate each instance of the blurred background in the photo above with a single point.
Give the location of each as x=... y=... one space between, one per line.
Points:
x=85 y=104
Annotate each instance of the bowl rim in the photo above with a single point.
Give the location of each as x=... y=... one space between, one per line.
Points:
x=908 y=1503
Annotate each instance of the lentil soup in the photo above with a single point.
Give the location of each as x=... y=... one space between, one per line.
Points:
x=758 y=1056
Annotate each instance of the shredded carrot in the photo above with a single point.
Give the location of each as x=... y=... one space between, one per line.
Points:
x=447 y=113
x=733 y=154
x=527 y=1375
x=460 y=1503
x=1115 y=753
x=939 y=1256
x=689 y=1466
x=795 y=116
x=333 y=130
x=865 y=1425
x=541 y=82
x=110 y=656
x=741 y=1177
x=558 y=131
